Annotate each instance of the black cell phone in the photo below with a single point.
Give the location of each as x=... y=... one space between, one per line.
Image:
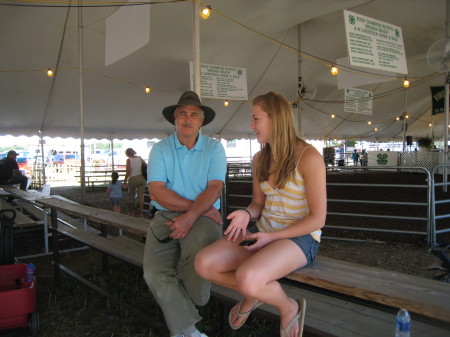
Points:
x=247 y=242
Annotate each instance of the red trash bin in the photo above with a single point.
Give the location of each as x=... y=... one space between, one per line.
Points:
x=18 y=299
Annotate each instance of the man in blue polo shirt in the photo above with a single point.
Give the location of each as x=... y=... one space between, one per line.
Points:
x=186 y=173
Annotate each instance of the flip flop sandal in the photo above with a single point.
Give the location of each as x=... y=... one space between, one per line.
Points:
x=300 y=317
x=241 y=314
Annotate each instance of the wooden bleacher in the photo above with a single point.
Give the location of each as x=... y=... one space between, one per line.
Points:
x=344 y=299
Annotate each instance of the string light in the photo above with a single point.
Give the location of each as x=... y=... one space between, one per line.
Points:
x=334 y=70
x=333 y=116
x=206 y=12
x=369 y=122
x=147 y=90
x=406 y=83
x=225 y=103
x=376 y=129
x=397 y=118
x=430 y=125
x=49 y=72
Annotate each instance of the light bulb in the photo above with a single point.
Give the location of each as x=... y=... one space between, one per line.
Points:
x=225 y=103
x=205 y=13
x=429 y=125
x=333 y=116
x=397 y=118
x=147 y=90
x=406 y=83
x=334 y=70
x=369 y=122
x=49 y=72
x=376 y=129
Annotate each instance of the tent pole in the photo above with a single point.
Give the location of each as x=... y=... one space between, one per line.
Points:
x=196 y=47
x=299 y=72
x=80 y=54
x=405 y=121
x=446 y=102
x=41 y=142
x=112 y=152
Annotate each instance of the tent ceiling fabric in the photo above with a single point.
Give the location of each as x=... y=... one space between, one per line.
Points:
x=115 y=104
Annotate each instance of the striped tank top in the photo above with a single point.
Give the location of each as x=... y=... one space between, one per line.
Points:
x=284 y=206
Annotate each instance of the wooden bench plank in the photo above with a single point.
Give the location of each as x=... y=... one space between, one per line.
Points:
x=420 y=295
x=29 y=195
x=131 y=252
x=330 y=316
x=21 y=219
x=125 y=222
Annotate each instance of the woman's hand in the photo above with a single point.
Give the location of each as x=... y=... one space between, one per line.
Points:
x=239 y=221
x=262 y=240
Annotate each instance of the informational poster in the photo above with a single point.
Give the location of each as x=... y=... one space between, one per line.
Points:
x=222 y=82
x=374 y=44
x=127 y=30
x=358 y=101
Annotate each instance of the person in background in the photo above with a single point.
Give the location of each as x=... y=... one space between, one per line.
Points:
x=10 y=173
x=355 y=157
x=186 y=174
x=134 y=180
x=289 y=203
x=114 y=192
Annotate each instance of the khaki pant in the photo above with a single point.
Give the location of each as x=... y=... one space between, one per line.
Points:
x=169 y=270
x=136 y=182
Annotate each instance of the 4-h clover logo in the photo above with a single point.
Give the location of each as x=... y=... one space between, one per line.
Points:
x=351 y=19
x=382 y=159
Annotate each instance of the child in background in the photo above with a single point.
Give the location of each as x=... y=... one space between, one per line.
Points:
x=114 y=192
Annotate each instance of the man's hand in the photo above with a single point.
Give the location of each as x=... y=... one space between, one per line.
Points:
x=181 y=225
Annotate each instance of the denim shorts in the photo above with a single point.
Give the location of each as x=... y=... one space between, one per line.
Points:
x=307 y=244
x=115 y=201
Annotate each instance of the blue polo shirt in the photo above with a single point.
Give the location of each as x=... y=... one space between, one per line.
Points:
x=184 y=171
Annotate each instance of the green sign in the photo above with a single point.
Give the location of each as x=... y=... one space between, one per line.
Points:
x=382 y=159
x=437 y=100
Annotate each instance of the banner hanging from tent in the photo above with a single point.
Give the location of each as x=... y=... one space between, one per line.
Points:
x=437 y=100
x=127 y=30
x=221 y=82
x=374 y=44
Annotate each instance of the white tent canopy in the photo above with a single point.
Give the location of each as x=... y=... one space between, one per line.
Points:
x=36 y=36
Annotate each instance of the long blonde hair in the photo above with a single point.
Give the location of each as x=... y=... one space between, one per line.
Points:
x=283 y=140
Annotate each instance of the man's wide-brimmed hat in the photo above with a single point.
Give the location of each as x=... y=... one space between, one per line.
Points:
x=189 y=98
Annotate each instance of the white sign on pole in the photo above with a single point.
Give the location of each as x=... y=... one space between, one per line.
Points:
x=221 y=82
x=127 y=30
x=374 y=44
x=358 y=101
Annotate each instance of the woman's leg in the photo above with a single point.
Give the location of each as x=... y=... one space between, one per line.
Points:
x=257 y=278
x=132 y=185
x=218 y=263
x=140 y=195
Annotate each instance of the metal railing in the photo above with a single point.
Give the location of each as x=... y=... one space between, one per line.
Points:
x=423 y=225
x=444 y=213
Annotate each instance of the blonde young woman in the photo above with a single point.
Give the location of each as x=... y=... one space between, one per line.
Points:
x=289 y=203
